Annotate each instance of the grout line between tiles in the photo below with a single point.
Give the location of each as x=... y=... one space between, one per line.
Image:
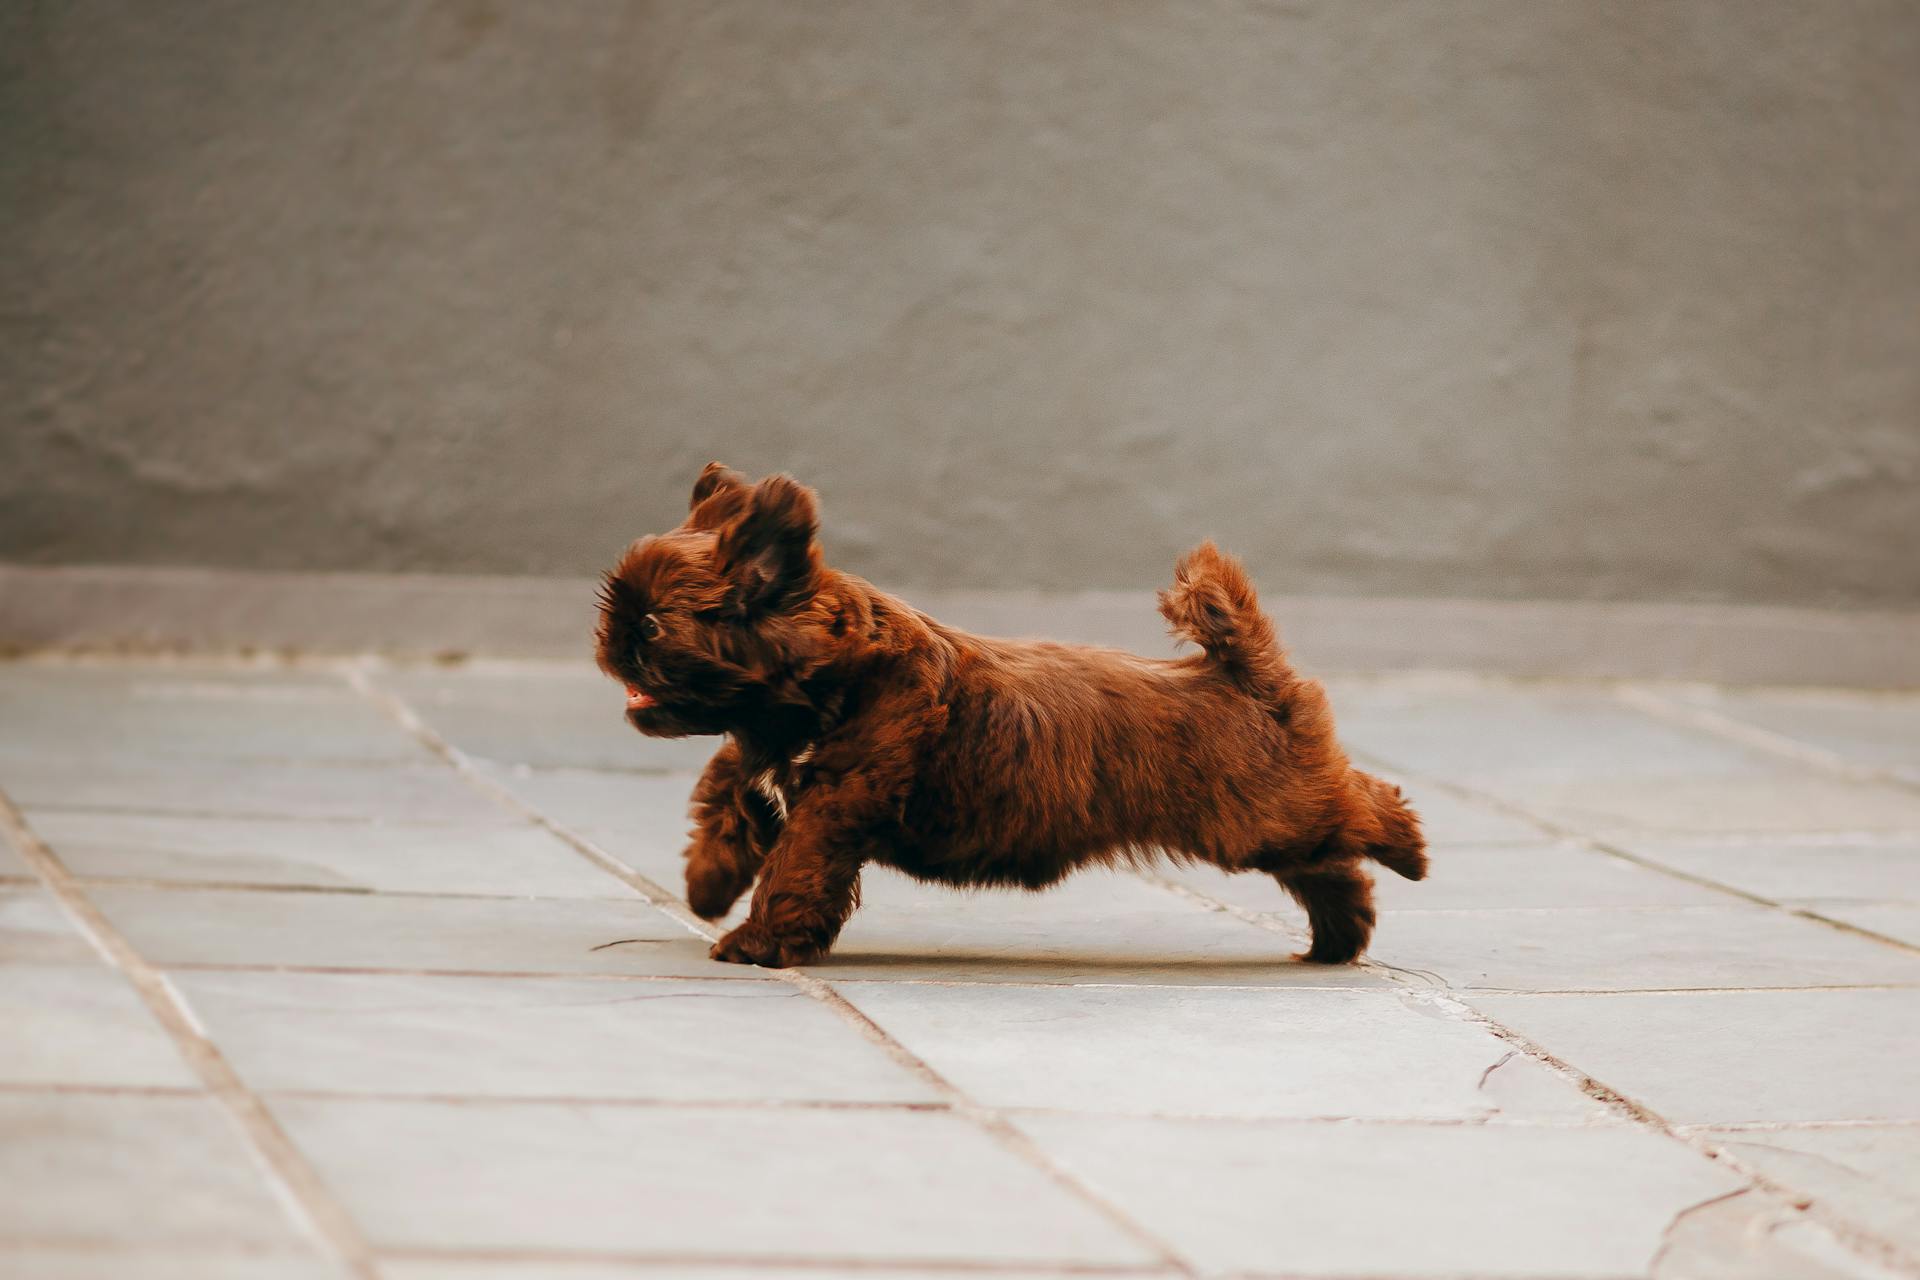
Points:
x=629 y=1101
x=1795 y=1126
x=1574 y=909
x=1869 y=837
x=163 y=885
x=517 y=975
x=287 y=1172
x=1682 y=991
x=694 y=1264
x=1779 y=745
x=1493 y=1120
x=1847 y=926
x=131 y=1253
x=985 y=1118
x=351 y=820
x=66 y=1087
x=829 y=1263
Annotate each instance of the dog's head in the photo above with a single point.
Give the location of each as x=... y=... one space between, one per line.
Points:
x=715 y=625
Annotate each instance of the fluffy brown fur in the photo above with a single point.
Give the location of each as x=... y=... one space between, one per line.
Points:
x=860 y=730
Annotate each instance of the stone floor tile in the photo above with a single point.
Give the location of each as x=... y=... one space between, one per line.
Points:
x=1865 y=1174
x=545 y=716
x=554 y=1269
x=1526 y=733
x=1552 y=876
x=1095 y=927
x=373 y=931
x=1636 y=950
x=580 y=1126
x=172 y=1264
x=34 y=930
x=1805 y=871
x=125 y=1169
x=1247 y=890
x=82 y=1025
x=639 y=818
x=1214 y=1052
x=99 y=712
x=1871 y=730
x=173 y=735
x=1620 y=808
x=1312 y=1199
x=1897 y=920
x=184 y=785
x=898 y=1185
x=1735 y=1057
x=534 y=1038
x=1447 y=820
x=547 y=1269
x=119 y=678
x=517 y=861
x=1468 y=877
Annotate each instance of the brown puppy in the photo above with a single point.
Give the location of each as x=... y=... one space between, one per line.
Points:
x=859 y=729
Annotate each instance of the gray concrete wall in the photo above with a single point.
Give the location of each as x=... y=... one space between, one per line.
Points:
x=1516 y=299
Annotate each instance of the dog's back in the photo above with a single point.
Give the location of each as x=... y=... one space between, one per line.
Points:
x=1055 y=756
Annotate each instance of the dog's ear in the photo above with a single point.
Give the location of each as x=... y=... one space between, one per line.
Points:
x=714 y=477
x=767 y=554
x=717 y=496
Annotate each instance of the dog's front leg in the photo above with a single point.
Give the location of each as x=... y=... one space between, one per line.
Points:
x=733 y=829
x=808 y=886
x=811 y=878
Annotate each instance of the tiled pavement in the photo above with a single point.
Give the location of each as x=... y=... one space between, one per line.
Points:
x=351 y=970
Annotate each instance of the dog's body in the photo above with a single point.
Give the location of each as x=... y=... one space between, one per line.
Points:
x=860 y=730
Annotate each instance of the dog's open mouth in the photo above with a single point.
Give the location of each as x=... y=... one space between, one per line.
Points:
x=638 y=699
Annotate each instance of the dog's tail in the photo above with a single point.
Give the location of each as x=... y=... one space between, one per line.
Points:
x=1212 y=603
x=1384 y=827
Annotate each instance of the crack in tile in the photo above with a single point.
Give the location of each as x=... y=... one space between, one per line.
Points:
x=1505 y=1058
x=1657 y=1264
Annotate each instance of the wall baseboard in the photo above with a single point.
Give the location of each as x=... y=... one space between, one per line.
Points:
x=420 y=615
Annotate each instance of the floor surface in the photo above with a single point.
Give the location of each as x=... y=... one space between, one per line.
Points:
x=357 y=970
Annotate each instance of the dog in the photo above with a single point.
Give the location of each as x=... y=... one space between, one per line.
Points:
x=859 y=730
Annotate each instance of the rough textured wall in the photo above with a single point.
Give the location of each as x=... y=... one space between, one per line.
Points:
x=1512 y=299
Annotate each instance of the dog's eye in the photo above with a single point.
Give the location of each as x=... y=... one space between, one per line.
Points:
x=650 y=627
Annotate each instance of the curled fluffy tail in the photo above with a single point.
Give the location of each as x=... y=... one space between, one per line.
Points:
x=1212 y=603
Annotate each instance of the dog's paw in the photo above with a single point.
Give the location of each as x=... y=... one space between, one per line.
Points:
x=752 y=943
x=1338 y=951
x=712 y=891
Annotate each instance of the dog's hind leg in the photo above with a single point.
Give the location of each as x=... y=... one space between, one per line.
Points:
x=1338 y=898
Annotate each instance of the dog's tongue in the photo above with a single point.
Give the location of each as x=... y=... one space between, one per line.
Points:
x=637 y=698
